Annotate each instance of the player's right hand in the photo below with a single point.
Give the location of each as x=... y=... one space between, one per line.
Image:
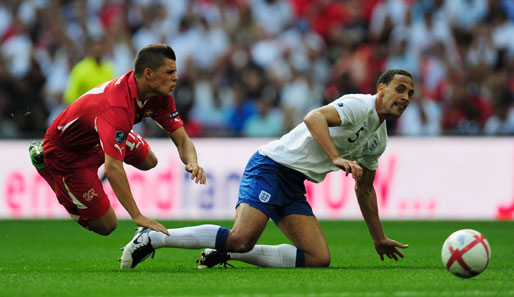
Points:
x=143 y=221
x=349 y=167
x=389 y=248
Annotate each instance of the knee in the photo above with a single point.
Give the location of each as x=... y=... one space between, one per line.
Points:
x=149 y=163
x=240 y=244
x=324 y=261
x=152 y=160
x=319 y=261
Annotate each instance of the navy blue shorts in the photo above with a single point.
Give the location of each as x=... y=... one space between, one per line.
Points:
x=274 y=189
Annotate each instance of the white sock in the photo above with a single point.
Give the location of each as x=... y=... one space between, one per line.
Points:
x=197 y=237
x=282 y=255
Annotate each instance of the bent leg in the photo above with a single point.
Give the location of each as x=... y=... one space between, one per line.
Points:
x=276 y=191
x=249 y=225
x=310 y=247
x=306 y=234
x=82 y=194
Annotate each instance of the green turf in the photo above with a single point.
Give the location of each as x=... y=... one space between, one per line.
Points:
x=58 y=258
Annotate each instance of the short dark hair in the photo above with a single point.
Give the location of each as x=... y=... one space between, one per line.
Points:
x=152 y=56
x=387 y=77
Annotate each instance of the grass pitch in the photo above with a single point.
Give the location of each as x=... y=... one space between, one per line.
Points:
x=59 y=258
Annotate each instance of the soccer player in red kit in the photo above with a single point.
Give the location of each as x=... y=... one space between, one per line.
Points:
x=96 y=129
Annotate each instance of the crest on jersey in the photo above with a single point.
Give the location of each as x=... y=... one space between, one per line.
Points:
x=340 y=104
x=373 y=144
x=264 y=196
x=119 y=137
x=89 y=195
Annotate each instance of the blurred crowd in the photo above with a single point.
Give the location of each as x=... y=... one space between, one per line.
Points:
x=254 y=68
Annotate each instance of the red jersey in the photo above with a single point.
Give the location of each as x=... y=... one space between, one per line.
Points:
x=99 y=121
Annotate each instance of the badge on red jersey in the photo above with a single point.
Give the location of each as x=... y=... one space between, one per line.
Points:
x=120 y=137
x=173 y=115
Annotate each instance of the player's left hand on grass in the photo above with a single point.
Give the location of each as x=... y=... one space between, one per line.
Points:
x=197 y=173
x=389 y=248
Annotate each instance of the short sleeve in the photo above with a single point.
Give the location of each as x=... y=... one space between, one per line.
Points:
x=113 y=126
x=350 y=109
x=168 y=117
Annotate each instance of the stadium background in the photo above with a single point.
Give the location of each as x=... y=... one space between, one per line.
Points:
x=250 y=70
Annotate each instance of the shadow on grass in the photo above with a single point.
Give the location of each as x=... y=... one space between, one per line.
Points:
x=417 y=267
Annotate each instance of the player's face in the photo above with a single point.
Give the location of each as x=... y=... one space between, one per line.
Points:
x=396 y=96
x=163 y=80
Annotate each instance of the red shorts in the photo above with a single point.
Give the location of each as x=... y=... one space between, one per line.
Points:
x=80 y=191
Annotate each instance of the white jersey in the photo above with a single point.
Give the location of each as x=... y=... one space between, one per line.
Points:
x=359 y=137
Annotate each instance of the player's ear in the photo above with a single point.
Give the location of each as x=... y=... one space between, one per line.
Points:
x=381 y=89
x=147 y=73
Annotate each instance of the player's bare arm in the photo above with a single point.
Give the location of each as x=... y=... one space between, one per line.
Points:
x=187 y=153
x=117 y=177
x=318 y=121
x=367 y=199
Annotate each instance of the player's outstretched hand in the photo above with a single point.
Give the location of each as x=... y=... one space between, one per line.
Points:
x=197 y=173
x=349 y=167
x=389 y=248
x=143 y=221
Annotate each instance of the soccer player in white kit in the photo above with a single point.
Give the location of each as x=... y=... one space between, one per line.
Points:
x=349 y=134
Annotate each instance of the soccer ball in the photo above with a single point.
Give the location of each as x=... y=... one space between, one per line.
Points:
x=466 y=253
